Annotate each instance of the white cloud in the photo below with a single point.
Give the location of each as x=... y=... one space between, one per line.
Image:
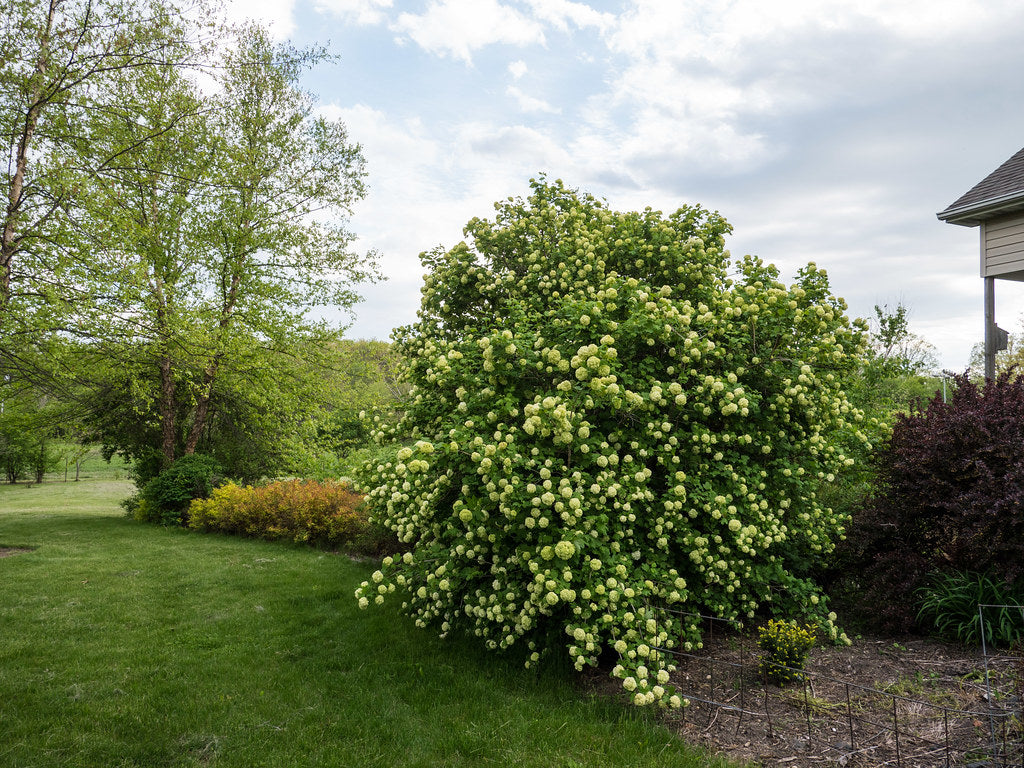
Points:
x=403 y=161
x=276 y=15
x=363 y=12
x=521 y=150
x=655 y=124
x=827 y=131
x=425 y=183
x=529 y=103
x=742 y=57
x=712 y=87
x=457 y=28
x=559 y=13
x=718 y=30
x=517 y=69
x=405 y=212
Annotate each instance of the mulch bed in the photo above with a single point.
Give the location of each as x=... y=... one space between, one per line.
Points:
x=948 y=709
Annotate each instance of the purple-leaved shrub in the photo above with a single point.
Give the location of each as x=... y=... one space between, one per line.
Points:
x=950 y=497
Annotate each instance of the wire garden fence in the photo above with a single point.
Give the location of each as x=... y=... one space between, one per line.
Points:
x=949 y=714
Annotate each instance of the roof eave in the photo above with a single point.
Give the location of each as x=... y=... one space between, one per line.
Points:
x=973 y=214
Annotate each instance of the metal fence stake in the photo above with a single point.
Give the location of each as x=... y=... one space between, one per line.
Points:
x=896 y=731
x=711 y=695
x=945 y=730
x=743 y=706
x=807 y=711
x=849 y=714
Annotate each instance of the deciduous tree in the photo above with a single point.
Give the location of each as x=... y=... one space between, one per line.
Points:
x=57 y=58
x=219 y=234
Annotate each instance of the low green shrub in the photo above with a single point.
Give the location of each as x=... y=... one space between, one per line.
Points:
x=949 y=604
x=165 y=498
x=303 y=511
x=784 y=649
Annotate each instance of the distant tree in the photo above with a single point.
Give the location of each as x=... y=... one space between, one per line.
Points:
x=896 y=368
x=15 y=449
x=365 y=374
x=28 y=422
x=1009 y=360
x=363 y=382
x=895 y=347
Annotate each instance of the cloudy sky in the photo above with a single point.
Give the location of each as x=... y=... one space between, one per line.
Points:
x=824 y=130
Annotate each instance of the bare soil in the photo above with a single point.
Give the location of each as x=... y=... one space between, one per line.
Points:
x=8 y=551
x=881 y=701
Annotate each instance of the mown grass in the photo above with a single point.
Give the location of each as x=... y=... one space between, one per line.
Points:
x=90 y=466
x=124 y=644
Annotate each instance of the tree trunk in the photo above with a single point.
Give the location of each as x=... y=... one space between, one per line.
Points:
x=41 y=462
x=202 y=413
x=168 y=427
x=16 y=188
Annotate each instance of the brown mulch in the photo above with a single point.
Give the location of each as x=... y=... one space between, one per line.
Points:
x=949 y=711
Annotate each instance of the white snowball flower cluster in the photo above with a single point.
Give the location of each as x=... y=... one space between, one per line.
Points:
x=604 y=422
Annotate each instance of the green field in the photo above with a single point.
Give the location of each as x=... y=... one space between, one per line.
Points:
x=91 y=466
x=124 y=644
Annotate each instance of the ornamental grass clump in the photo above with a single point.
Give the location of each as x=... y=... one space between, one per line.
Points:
x=784 y=648
x=954 y=604
x=607 y=415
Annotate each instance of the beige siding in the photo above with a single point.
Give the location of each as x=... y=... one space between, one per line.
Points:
x=1003 y=247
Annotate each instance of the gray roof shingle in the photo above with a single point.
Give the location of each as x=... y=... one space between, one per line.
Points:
x=1000 y=191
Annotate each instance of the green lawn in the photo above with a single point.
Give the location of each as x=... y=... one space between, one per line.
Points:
x=91 y=465
x=123 y=644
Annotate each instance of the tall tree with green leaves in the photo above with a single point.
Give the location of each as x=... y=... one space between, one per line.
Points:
x=142 y=222
x=165 y=233
x=56 y=57
x=283 y=183
x=230 y=226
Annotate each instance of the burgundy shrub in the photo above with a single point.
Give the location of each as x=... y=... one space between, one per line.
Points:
x=950 y=497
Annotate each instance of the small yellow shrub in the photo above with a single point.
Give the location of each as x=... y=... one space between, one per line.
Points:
x=784 y=647
x=303 y=511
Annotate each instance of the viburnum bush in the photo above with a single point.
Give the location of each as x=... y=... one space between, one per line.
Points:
x=604 y=423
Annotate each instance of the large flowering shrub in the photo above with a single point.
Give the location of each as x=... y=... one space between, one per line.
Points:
x=604 y=422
